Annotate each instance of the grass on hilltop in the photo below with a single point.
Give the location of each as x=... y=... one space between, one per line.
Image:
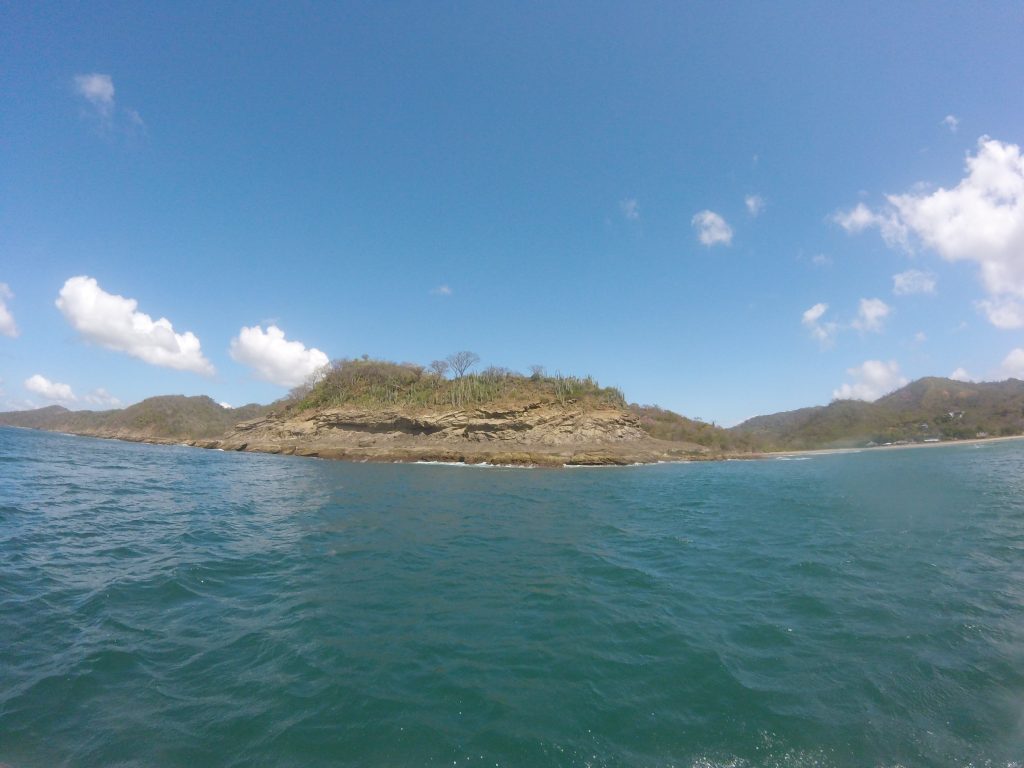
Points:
x=380 y=383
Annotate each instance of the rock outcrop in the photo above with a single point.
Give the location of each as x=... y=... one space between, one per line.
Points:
x=538 y=433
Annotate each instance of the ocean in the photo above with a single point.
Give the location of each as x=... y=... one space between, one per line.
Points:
x=167 y=606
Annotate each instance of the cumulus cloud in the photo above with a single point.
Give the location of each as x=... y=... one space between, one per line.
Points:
x=961 y=374
x=822 y=332
x=1003 y=313
x=755 y=204
x=114 y=322
x=442 y=290
x=226 y=406
x=630 y=209
x=49 y=390
x=1013 y=364
x=7 y=325
x=872 y=379
x=980 y=220
x=274 y=358
x=871 y=315
x=951 y=122
x=913 y=281
x=711 y=228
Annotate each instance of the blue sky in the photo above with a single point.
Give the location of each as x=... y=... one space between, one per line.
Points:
x=665 y=196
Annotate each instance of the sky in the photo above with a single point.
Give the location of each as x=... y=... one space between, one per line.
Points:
x=726 y=209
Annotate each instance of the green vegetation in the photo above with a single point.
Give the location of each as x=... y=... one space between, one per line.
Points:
x=378 y=383
x=927 y=409
x=171 y=417
x=668 y=425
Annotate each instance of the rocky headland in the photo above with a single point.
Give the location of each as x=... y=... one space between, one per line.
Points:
x=533 y=433
x=372 y=410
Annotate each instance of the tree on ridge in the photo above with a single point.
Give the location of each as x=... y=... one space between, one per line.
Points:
x=462 y=362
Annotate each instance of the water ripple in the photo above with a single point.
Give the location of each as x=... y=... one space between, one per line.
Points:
x=171 y=607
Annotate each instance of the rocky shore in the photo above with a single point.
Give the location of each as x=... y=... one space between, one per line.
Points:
x=532 y=434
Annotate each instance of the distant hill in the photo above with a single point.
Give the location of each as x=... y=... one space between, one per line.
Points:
x=927 y=409
x=376 y=410
x=170 y=418
x=663 y=424
x=373 y=409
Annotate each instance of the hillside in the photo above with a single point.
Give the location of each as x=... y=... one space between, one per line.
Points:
x=170 y=418
x=927 y=409
x=378 y=410
x=663 y=424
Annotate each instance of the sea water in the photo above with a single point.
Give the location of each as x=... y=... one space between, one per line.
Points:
x=166 y=606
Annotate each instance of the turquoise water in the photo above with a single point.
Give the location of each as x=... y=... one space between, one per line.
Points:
x=166 y=606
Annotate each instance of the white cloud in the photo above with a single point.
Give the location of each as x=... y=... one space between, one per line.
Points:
x=755 y=204
x=821 y=260
x=1003 y=313
x=980 y=220
x=913 y=281
x=951 y=122
x=711 y=228
x=872 y=379
x=871 y=315
x=49 y=390
x=114 y=322
x=961 y=374
x=7 y=325
x=920 y=337
x=1013 y=364
x=274 y=358
x=101 y=397
x=226 y=406
x=856 y=220
x=630 y=209
x=823 y=333
x=442 y=290
x=98 y=90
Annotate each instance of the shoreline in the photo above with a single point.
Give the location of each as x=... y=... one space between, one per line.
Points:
x=940 y=444
x=563 y=458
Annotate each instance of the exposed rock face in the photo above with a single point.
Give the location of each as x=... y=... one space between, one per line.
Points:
x=546 y=434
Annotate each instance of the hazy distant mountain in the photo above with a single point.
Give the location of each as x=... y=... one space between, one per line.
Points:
x=169 y=417
x=926 y=409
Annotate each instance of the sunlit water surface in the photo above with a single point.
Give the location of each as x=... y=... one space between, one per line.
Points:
x=167 y=606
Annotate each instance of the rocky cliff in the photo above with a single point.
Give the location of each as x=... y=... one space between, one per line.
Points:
x=538 y=433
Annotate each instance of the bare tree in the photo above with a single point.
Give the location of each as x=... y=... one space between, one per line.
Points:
x=299 y=392
x=462 y=362
x=537 y=372
x=439 y=368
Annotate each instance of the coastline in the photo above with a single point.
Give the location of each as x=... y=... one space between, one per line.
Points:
x=644 y=453
x=940 y=444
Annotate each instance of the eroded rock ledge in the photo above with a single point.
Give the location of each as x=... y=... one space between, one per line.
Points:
x=539 y=434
